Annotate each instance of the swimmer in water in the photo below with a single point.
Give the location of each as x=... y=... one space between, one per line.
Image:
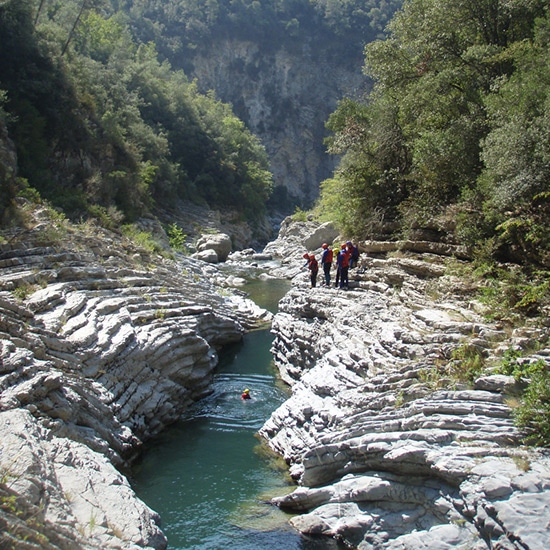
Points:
x=246 y=394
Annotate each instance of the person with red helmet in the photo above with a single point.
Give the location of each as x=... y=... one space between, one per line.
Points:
x=342 y=262
x=313 y=266
x=326 y=261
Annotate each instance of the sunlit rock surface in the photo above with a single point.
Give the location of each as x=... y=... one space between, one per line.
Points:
x=389 y=448
x=102 y=345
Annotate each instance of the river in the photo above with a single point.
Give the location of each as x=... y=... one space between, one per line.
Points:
x=209 y=477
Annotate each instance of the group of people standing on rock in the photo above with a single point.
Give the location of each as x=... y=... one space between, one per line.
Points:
x=346 y=258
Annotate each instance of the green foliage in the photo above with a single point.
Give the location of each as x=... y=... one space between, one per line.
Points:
x=141 y=238
x=369 y=182
x=456 y=127
x=467 y=363
x=513 y=365
x=178 y=27
x=533 y=415
x=100 y=124
x=514 y=293
x=299 y=215
x=239 y=160
x=176 y=237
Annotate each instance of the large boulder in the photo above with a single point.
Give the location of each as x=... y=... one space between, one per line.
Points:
x=219 y=242
x=209 y=256
x=325 y=233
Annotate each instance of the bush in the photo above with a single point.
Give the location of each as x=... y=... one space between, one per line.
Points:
x=176 y=237
x=533 y=415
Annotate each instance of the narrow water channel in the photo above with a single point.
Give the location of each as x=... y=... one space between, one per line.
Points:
x=209 y=476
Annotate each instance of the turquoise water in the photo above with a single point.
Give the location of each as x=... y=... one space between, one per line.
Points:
x=209 y=476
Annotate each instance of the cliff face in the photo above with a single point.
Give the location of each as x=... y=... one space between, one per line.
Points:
x=102 y=344
x=285 y=96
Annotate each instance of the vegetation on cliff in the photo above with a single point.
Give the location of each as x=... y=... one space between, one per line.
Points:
x=454 y=136
x=102 y=128
x=332 y=27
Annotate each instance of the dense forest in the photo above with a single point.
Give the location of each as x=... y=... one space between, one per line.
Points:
x=178 y=27
x=454 y=140
x=103 y=128
x=103 y=118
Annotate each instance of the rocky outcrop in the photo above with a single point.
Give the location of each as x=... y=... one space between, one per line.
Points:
x=285 y=96
x=195 y=221
x=102 y=344
x=393 y=443
x=218 y=243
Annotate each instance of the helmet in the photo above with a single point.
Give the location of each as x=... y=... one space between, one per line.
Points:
x=324 y=245
x=312 y=256
x=306 y=256
x=349 y=243
x=246 y=391
x=343 y=245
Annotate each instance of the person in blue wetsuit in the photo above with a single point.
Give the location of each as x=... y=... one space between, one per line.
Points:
x=354 y=254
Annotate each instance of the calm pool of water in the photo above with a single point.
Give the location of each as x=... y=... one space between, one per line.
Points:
x=209 y=476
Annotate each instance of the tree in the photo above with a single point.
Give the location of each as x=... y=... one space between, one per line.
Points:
x=516 y=152
x=434 y=74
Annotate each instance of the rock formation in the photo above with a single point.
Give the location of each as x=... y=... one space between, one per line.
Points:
x=218 y=243
x=285 y=96
x=391 y=444
x=102 y=344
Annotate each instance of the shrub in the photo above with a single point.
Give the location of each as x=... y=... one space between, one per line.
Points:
x=176 y=237
x=533 y=415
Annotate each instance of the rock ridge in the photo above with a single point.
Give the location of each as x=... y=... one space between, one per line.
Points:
x=389 y=450
x=102 y=344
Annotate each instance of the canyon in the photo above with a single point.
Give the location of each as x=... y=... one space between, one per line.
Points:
x=104 y=343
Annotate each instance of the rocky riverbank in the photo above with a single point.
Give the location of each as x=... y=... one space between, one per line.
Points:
x=390 y=445
x=102 y=344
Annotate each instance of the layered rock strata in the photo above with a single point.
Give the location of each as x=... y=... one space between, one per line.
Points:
x=390 y=446
x=102 y=344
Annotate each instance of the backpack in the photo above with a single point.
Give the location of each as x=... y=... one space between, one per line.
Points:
x=329 y=256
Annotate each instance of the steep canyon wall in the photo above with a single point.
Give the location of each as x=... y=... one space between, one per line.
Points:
x=285 y=96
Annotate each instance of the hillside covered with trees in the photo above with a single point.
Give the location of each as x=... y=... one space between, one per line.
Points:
x=102 y=128
x=179 y=27
x=106 y=122
x=453 y=142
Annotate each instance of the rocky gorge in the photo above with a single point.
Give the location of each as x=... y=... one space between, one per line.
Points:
x=104 y=343
x=389 y=448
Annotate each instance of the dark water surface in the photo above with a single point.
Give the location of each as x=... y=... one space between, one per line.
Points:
x=209 y=476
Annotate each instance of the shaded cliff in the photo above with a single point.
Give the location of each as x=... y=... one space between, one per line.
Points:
x=285 y=96
x=283 y=65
